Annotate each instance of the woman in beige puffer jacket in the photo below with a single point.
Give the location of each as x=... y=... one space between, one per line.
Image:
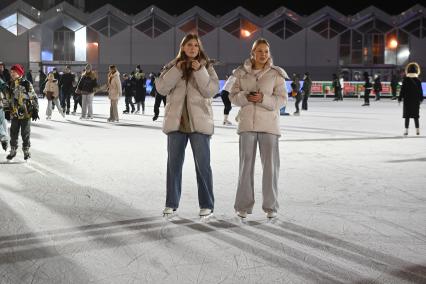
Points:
x=114 y=92
x=189 y=82
x=260 y=91
x=52 y=86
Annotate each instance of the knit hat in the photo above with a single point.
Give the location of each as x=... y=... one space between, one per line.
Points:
x=18 y=69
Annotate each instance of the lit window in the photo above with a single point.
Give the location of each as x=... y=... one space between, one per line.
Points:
x=241 y=28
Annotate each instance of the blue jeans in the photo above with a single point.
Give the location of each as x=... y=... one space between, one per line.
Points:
x=200 y=144
x=3 y=127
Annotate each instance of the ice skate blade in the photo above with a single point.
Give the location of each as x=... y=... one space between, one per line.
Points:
x=207 y=218
x=272 y=220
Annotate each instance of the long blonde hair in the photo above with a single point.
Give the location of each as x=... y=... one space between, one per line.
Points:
x=187 y=70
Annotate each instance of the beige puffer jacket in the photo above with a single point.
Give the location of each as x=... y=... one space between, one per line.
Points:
x=52 y=86
x=115 y=90
x=199 y=90
x=264 y=116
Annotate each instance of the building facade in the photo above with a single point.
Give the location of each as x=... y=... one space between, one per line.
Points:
x=323 y=43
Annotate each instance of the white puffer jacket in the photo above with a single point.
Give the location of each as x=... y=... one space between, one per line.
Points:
x=264 y=116
x=114 y=87
x=199 y=90
x=52 y=86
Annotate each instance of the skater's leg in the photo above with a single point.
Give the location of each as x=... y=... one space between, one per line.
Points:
x=416 y=122
x=14 y=132
x=26 y=133
x=270 y=157
x=244 y=199
x=90 y=105
x=176 y=144
x=49 y=108
x=200 y=144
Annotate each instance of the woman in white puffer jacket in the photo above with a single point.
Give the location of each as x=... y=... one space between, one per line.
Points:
x=114 y=92
x=189 y=82
x=260 y=91
x=51 y=90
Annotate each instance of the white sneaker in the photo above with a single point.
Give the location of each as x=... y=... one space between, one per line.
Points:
x=242 y=214
x=205 y=212
x=271 y=214
x=168 y=211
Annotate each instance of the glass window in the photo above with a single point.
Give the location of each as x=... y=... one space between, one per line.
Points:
x=241 y=28
x=291 y=28
x=414 y=27
x=153 y=27
x=198 y=26
x=277 y=29
x=63 y=45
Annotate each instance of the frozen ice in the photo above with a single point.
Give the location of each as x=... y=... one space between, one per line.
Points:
x=88 y=206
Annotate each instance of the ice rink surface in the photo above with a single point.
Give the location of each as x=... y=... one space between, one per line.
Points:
x=87 y=207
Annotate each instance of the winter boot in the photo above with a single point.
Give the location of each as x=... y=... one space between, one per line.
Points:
x=27 y=153
x=12 y=153
x=4 y=145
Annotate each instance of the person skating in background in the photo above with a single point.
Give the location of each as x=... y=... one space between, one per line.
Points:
x=377 y=86
x=295 y=90
x=114 y=92
x=412 y=96
x=67 y=84
x=29 y=76
x=128 y=88
x=76 y=96
x=189 y=82
x=42 y=78
x=306 y=90
x=259 y=124
x=4 y=133
x=4 y=73
x=23 y=105
x=224 y=94
x=368 y=86
x=394 y=85
x=140 y=87
x=158 y=97
x=51 y=90
x=337 y=87
x=86 y=88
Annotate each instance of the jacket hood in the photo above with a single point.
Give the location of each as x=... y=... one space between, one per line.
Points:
x=247 y=66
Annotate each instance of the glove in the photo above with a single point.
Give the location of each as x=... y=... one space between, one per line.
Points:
x=34 y=116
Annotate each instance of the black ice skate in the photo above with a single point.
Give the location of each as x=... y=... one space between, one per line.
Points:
x=12 y=154
x=27 y=154
x=4 y=145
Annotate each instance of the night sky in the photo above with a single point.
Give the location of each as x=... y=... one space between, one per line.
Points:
x=258 y=7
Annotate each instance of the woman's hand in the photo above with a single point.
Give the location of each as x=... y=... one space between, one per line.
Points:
x=179 y=64
x=255 y=97
x=196 y=65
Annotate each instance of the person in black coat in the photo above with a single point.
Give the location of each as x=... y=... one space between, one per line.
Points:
x=377 y=86
x=295 y=89
x=4 y=73
x=42 y=82
x=412 y=95
x=67 y=83
x=140 y=86
x=128 y=88
x=394 y=85
x=158 y=97
x=367 y=89
x=306 y=90
x=337 y=87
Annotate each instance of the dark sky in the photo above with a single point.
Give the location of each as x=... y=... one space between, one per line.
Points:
x=259 y=7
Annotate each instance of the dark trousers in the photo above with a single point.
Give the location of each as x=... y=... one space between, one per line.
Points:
x=298 y=100
x=25 y=126
x=305 y=101
x=128 y=102
x=77 y=101
x=416 y=122
x=367 y=97
x=66 y=99
x=226 y=102
x=377 y=95
x=158 y=99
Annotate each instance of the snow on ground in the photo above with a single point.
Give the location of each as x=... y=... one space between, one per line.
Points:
x=87 y=207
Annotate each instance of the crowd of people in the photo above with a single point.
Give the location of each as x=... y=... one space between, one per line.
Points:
x=186 y=85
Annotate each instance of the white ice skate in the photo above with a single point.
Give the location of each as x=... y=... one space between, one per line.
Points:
x=271 y=216
x=168 y=212
x=205 y=214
